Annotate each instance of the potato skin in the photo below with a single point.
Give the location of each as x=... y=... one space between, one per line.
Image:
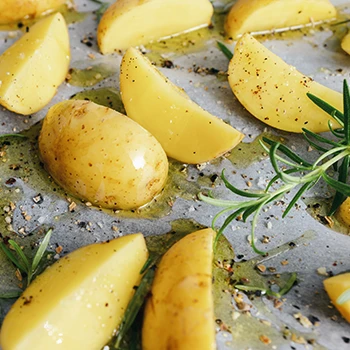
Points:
x=343 y=212
x=101 y=156
x=15 y=10
x=187 y=133
x=275 y=92
x=248 y=16
x=179 y=314
x=345 y=43
x=78 y=301
x=155 y=19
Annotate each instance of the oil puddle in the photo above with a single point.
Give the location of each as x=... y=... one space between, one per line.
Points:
x=161 y=51
x=107 y=96
x=91 y=75
x=70 y=14
x=243 y=318
x=178 y=185
x=245 y=154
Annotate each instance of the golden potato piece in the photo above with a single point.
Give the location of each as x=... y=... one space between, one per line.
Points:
x=187 y=133
x=247 y=16
x=345 y=43
x=101 y=156
x=179 y=314
x=15 y=10
x=343 y=212
x=132 y=22
x=335 y=286
x=34 y=66
x=275 y=92
x=78 y=301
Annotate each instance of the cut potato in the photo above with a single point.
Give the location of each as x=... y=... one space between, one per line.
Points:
x=345 y=43
x=102 y=156
x=15 y=10
x=187 y=132
x=335 y=286
x=34 y=66
x=154 y=19
x=248 y=16
x=79 y=301
x=343 y=212
x=180 y=312
x=275 y=92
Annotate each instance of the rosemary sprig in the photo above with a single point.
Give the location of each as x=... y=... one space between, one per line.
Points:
x=299 y=176
x=284 y=290
x=137 y=301
x=21 y=261
x=134 y=307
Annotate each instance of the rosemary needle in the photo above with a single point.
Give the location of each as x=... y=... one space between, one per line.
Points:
x=21 y=261
x=102 y=9
x=297 y=174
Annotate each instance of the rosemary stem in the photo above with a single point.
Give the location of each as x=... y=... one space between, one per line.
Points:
x=330 y=152
x=321 y=169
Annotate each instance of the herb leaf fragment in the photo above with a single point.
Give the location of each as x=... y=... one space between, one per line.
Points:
x=16 y=255
x=102 y=9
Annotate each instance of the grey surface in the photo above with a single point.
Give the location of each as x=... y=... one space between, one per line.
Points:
x=327 y=247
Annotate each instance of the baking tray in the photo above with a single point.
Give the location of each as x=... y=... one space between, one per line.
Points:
x=198 y=67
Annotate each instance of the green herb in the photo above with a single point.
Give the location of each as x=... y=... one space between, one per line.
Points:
x=134 y=307
x=300 y=174
x=21 y=261
x=141 y=293
x=284 y=290
x=225 y=50
x=342 y=22
x=148 y=271
x=102 y=9
x=13 y=135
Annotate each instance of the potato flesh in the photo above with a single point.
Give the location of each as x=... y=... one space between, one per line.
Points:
x=78 y=301
x=248 y=16
x=15 y=10
x=275 y=92
x=155 y=19
x=34 y=66
x=335 y=287
x=179 y=315
x=345 y=43
x=186 y=132
x=102 y=156
x=343 y=212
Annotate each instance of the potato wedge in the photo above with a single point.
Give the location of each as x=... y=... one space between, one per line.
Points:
x=101 y=156
x=155 y=19
x=14 y=10
x=335 y=286
x=345 y=43
x=187 y=133
x=180 y=311
x=79 y=301
x=343 y=212
x=275 y=92
x=33 y=67
x=248 y=16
